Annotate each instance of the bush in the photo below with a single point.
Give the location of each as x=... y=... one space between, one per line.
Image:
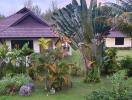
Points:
x=108 y=95
x=119 y=91
x=59 y=76
x=110 y=64
x=75 y=70
x=10 y=85
x=93 y=75
x=126 y=63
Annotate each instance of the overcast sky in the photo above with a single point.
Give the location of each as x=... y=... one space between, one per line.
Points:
x=8 y=7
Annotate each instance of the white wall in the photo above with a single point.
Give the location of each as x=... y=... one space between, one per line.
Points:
x=110 y=42
x=8 y=42
x=36 y=46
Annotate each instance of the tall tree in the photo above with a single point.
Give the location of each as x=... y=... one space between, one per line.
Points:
x=49 y=12
x=122 y=6
x=35 y=8
x=28 y=4
x=2 y=16
x=79 y=23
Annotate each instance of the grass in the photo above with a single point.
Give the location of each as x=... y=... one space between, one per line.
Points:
x=123 y=53
x=79 y=90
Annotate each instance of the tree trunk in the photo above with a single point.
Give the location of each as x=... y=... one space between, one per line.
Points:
x=92 y=56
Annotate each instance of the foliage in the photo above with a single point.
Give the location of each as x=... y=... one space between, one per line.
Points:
x=59 y=76
x=49 y=12
x=3 y=51
x=25 y=50
x=13 y=61
x=119 y=91
x=126 y=63
x=75 y=70
x=122 y=20
x=84 y=26
x=118 y=83
x=80 y=23
x=44 y=43
x=48 y=67
x=93 y=75
x=110 y=64
x=124 y=6
x=11 y=85
x=34 y=8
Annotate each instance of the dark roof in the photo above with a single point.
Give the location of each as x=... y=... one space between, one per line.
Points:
x=25 y=23
x=113 y=34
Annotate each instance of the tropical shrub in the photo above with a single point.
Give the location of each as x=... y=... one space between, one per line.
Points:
x=48 y=67
x=14 y=61
x=59 y=76
x=93 y=75
x=119 y=91
x=75 y=70
x=110 y=64
x=126 y=63
x=11 y=85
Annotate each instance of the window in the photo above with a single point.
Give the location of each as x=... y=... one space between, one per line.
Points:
x=18 y=44
x=119 y=41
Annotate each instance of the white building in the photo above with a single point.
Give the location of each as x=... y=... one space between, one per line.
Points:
x=118 y=39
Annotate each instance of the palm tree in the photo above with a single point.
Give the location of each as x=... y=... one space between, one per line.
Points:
x=79 y=23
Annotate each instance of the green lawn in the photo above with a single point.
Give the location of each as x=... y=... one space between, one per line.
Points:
x=79 y=90
x=123 y=53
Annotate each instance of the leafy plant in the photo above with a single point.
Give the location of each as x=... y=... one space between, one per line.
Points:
x=75 y=70
x=11 y=85
x=124 y=6
x=93 y=75
x=83 y=25
x=119 y=91
x=59 y=75
x=110 y=64
x=119 y=87
x=13 y=61
x=126 y=63
x=44 y=43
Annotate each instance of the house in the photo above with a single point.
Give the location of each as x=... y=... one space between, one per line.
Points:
x=24 y=26
x=117 y=39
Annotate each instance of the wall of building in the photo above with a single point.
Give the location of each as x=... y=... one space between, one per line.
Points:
x=36 y=46
x=110 y=42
